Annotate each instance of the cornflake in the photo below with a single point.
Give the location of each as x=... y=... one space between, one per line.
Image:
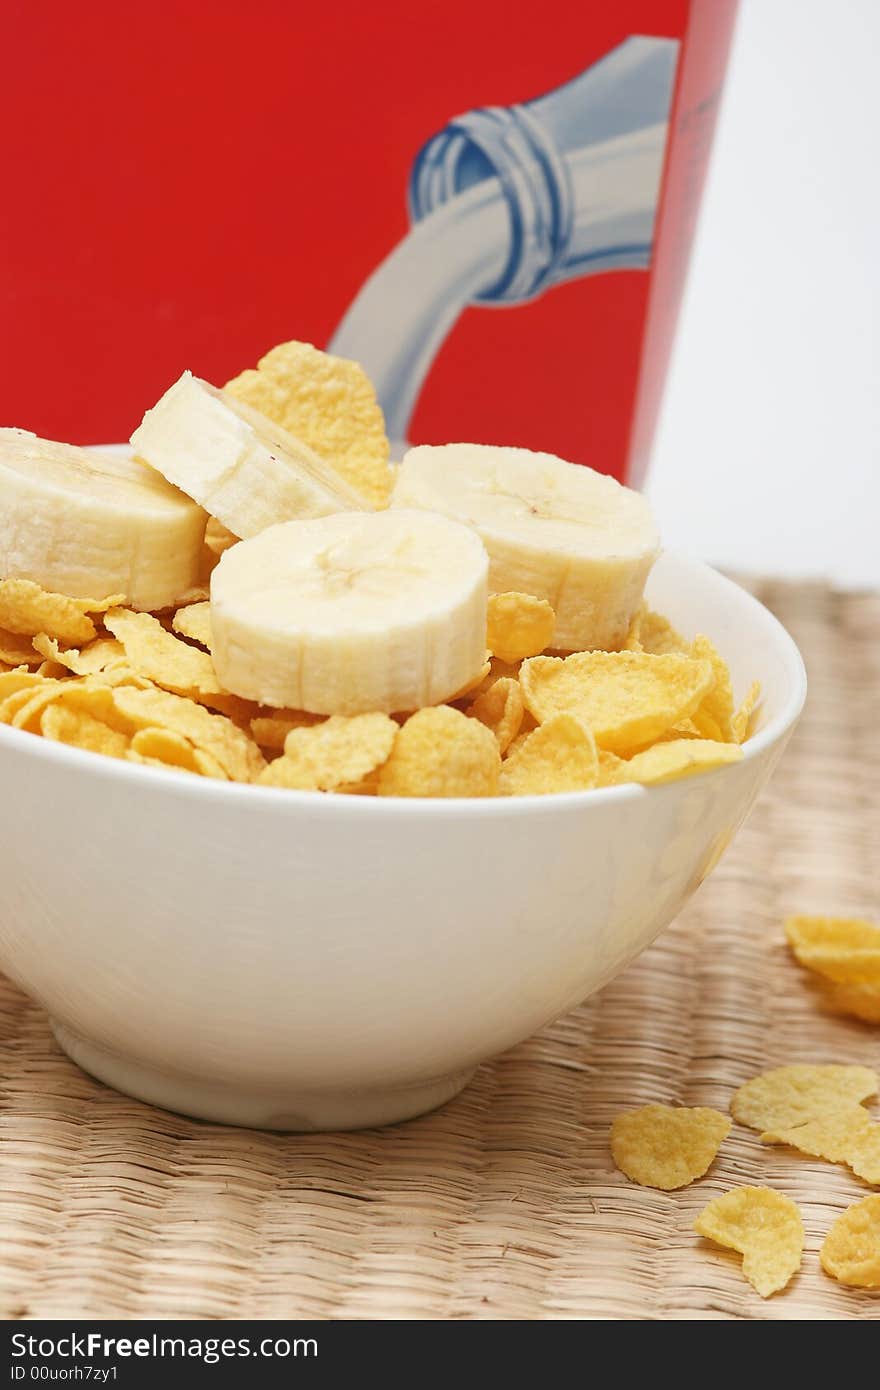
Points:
x=440 y=752
x=787 y=1096
x=330 y=404
x=764 y=1226
x=500 y=708
x=518 y=626
x=558 y=756
x=667 y=1146
x=843 y=949
x=850 y=1252
x=324 y=757
x=627 y=699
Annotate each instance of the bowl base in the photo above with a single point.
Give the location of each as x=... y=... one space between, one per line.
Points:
x=278 y=1109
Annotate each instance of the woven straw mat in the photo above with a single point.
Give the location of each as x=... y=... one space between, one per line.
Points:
x=504 y=1204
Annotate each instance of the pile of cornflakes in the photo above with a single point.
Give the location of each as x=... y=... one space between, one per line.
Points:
x=138 y=686
x=818 y=1110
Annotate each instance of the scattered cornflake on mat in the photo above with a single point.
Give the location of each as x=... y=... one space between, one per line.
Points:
x=843 y=949
x=667 y=1146
x=847 y=1136
x=860 y=1001
x=764 y=1226
x=788 y=1096
x=851 y=1250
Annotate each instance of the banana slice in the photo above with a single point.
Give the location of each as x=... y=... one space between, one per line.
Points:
x=349 y=613
x=242 y=468
x=553 y=529
x=90 y=523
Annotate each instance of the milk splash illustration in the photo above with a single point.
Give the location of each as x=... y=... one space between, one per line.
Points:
x=507 y=202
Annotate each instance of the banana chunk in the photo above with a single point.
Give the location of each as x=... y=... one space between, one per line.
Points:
x=245 y=470
x=89 y=523
x=554 y=529
x=344 y=614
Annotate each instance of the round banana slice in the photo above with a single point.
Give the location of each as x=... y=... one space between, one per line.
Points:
x=93 y=522
x=245 y=470
x=354 y=612
x=554 y=529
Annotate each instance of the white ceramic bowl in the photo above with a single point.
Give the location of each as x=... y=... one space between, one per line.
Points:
x=296 y=961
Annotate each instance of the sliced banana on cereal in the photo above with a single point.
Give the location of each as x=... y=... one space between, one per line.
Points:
x=245 y=470
x=89 y=523
x=354 y=612
x=553 y=529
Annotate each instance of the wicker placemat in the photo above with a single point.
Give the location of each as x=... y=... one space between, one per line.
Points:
x=504 y=1204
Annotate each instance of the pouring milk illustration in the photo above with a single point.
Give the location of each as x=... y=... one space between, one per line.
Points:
x=507 y=202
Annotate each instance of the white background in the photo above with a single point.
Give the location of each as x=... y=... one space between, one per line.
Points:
x=768 y=454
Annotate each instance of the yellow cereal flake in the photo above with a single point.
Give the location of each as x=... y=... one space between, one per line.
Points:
x=162 y=657
x=96 y=656
x=739 y=725
x=26 y=710
x=23 y=710
x=843 y=1136
x=12 y=683
x=559 y=756
x=787 y=1096
x=714 y=715
x=764 y=1226
x=843 y=949
x=667 y=1146
x=519 y=625
x=330 y=404
x=324 y=757
x=271 y=730
x=850 y=1252
x=628 y=699
x=658 y=637
x=440 y=752
x=227 y=744
x=861 y=1001
x=169 y=749
x=77 y=727
x=16 y=650
x=194 y=622
x=667 y=762
x=26 y=609
x=500 y=708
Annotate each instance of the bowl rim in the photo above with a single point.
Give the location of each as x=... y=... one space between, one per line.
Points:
x=206 y=789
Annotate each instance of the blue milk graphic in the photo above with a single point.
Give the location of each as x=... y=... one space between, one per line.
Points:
x=509 y=201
